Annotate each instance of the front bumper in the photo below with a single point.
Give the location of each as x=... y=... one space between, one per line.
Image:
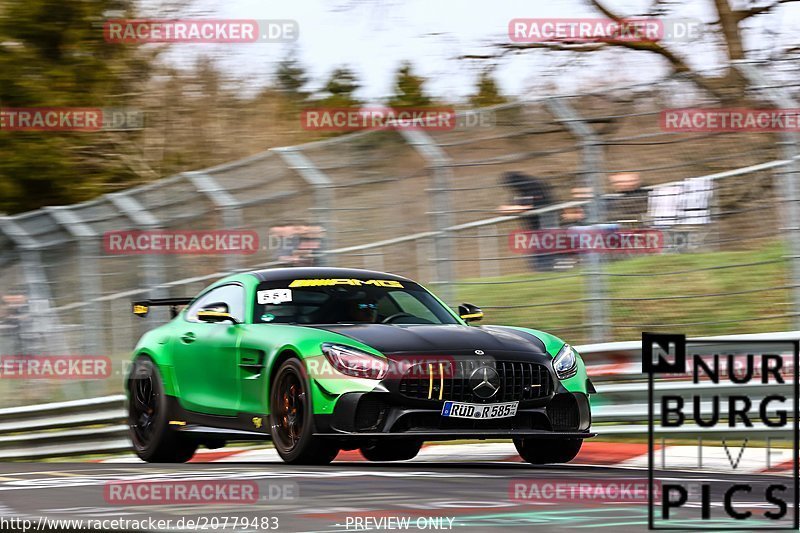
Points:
x=456 y=435
x=383 y=414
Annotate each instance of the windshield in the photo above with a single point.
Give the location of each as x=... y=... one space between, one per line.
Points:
x=347 y=301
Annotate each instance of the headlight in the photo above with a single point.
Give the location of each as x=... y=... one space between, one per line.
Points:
x=565 y=363
x=354 y=362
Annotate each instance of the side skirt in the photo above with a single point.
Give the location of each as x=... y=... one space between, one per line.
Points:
x=244 y=426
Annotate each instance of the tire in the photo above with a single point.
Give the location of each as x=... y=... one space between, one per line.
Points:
x=392 y=450
x=153 y=439
x=546 y=451
x=292 y=419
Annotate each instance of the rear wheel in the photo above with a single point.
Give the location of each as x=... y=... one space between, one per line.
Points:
x=292 y=419
x=153 y=440
x=546 y=451
x=392 y=450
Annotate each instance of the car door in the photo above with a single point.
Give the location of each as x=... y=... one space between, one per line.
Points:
x=205 y=354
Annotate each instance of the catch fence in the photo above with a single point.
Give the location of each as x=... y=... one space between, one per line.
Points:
x=427 y=204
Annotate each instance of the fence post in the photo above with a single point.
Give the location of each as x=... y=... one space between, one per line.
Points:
x=44 y=329
x=599 y=318
x=91 y=281
x=440 y=166
x=224 y=201
x=323 y=196
x=152 y=264
x=790 y=148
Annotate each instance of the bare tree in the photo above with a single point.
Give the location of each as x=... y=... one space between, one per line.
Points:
x=727 y=86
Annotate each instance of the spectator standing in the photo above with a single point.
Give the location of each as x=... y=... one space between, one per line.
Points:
x=298 y=245
x=13 y=312
x=628 y=203
x=529 y=193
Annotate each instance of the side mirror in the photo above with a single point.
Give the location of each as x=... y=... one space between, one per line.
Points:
x=469 y=312
x=215 y=313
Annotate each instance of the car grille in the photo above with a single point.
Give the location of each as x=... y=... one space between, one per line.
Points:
x=563 y=413
x=449 y=380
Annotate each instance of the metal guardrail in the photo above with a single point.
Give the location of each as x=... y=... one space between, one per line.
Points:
x=97 y=425
x=91 y=302
x=63 y=429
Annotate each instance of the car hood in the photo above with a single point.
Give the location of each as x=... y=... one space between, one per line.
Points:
x=450 y=339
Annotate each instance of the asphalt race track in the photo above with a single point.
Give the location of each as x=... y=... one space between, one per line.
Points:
x=333 y=498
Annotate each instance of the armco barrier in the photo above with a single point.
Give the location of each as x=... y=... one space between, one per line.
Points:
x=97 y=425
x=63 y=429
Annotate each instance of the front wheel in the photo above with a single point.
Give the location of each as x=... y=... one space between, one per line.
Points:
x=292 y=419
x=546 y=451
x=392 y=450
x=153 y=440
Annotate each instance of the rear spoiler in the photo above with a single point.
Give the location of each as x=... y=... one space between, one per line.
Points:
x=142 y=307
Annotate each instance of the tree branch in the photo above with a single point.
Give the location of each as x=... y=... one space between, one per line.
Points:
x=678 y=64
x=730 y=30
x=506 y=48
x=605 y=10
x=742 y=14
x=560 y=46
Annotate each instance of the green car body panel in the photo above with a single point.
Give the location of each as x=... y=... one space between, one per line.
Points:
x=225 y=369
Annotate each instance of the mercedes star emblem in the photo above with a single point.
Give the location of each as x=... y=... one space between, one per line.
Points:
x=485 y=382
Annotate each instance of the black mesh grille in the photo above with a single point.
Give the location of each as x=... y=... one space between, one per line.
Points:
x=369 y=414
x=563 y=413
x=449 y=380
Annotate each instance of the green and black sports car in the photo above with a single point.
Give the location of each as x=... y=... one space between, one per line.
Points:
x=324 y=359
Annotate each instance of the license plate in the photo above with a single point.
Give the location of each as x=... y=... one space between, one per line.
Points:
x=478 y=411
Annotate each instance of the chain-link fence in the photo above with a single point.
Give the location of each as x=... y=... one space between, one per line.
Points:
x=428 y=205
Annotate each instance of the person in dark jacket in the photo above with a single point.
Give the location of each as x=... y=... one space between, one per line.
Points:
x=528 y=192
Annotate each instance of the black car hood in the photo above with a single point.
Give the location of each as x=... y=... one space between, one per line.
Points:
x=444 y=339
